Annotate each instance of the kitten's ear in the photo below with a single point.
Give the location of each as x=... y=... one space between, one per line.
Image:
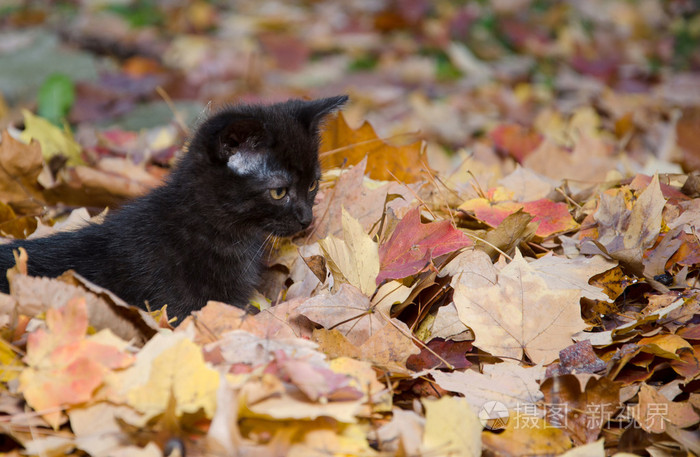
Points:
x=239 y=132
x=311 y=113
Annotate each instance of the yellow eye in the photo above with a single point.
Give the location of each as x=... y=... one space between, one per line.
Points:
x=278 y=193
x=313 y=186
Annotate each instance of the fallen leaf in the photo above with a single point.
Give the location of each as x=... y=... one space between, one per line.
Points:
x=563 y=273
x=20 y=166
x=654 y=411
x=594 y=449
x=520 y=313
x=65 y=367
x=355 y=259
x=179 y=374
x=527 y=185
x=625 y=234
x=451 y=352
x=10 y=361
x=551 y=217
x=348 y=310
x=666 y=346
x=515 y=140
x=240 y=346
x=413 y=245
x=451 y=428
x=339 y=143
x=53 y=140
x=404 y=432
x=527 y=435
x=320 y=442
x=581 y=404
x=512 y=385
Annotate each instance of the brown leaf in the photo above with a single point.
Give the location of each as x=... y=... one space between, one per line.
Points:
x=20 y=166
x=655 y=411
x=581 y=405
x=105 y=310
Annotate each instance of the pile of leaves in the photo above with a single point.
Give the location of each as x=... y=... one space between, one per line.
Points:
x=518 y=278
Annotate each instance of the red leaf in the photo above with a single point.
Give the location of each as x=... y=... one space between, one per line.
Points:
x=515 y=140
x=413 y=245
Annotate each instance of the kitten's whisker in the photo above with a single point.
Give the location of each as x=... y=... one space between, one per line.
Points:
x=254 y=257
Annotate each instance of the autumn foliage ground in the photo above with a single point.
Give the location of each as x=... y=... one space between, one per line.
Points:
x=504 y=258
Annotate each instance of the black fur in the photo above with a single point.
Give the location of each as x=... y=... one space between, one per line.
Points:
x=201 y=235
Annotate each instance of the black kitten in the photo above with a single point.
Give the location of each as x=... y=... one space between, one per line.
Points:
x=250 y=172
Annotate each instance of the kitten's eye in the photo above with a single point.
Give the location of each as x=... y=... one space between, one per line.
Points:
x=278 y=193
x=313 y=186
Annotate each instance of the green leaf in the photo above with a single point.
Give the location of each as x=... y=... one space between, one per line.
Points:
x=56 y=97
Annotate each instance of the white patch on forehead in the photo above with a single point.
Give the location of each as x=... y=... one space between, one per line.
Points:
x=246 y=163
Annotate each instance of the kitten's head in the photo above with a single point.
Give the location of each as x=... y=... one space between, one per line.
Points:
x=262 y=162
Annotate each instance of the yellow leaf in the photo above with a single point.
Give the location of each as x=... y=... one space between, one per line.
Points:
x=666 y=346
x=350 y=440
x=53 y=140
x=451 y=428
x=180 y=372
x=9 y=360
x=354 y=260
x=527 y=435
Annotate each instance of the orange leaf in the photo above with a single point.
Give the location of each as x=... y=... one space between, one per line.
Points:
x=339 y=143
x=64 y=366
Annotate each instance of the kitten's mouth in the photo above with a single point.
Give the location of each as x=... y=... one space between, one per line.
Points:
x=298 y=233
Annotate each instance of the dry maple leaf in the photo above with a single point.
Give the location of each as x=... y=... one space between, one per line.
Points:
x=178 y=374
x=355 y=258
x=563 y=273
x=413 y=245
x=339 y=143
x=358 y=330
x=53 y=140
x=507 y=383
x=404 y=432
x=581 y=404
x=366 y=204
x=348 y=310
x=65 y=367
x=520 y=314
x=625 y=234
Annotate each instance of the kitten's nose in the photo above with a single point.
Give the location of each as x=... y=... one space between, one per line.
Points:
x=303 y=215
